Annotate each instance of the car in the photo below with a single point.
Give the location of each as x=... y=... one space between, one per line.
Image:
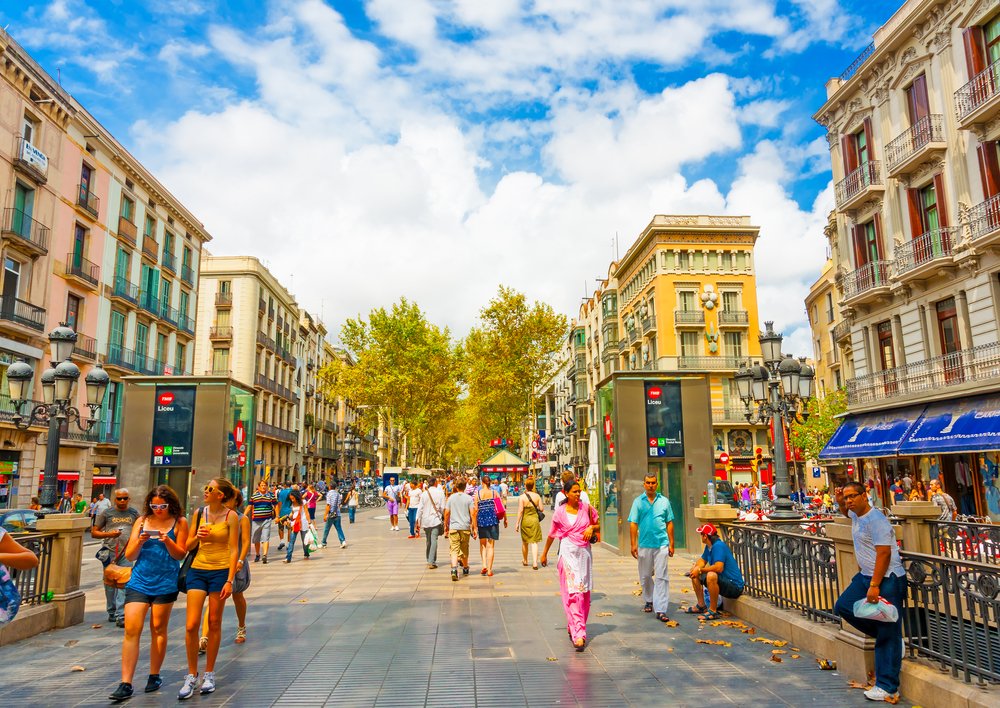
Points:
x=725 y=493
x=18 y=520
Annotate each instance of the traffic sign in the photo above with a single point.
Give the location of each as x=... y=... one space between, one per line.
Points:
x=817 y=471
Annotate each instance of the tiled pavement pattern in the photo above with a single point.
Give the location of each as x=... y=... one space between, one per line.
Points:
x=372 y=626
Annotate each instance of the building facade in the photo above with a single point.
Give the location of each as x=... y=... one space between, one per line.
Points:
x=913 y=128
x=827 y=329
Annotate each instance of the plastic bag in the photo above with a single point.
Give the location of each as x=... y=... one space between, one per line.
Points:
x=881 y=611
x=311 y=541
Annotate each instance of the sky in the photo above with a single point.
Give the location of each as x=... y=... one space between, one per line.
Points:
x=368 y=150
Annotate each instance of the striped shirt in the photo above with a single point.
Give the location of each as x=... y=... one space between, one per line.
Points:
x=263 y=506
x=333 y=501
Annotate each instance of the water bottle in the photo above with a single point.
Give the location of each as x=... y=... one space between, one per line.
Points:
x=711 y=491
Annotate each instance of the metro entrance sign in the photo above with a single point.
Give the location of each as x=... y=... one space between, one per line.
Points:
x=724 y=458
x=173 y=426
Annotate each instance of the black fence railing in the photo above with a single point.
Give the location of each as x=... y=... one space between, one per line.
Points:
x=34 y=584
x=962 y=540
x=790 y=569
x=22 y=312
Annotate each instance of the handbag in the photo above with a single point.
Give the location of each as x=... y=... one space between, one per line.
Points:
x=541 y=514
x=501 y=509
x=117 y=576
x=241 y=581
x=10 y=597
x=189 y=558
x=595 y=537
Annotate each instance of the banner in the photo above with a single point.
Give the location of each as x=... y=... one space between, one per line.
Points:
x=664 y=424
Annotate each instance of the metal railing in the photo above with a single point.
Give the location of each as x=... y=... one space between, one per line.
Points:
x=730 y=414
x=841 y=330
x=929 y=129
x=87 y=199
x=7 y=410
x=689 y=317
x=150 y=303
x=982 y=88
x=272 y=431
x=856 y=64
x=23 y=313
x=964 y=540
x=169 y=261
x=265 y=340
x=648 y=323
x=224 y=332
x=709 y=362
x=126 y=290
x=952 y=615
x=868 y=175
x=85 y=346
x=223 y=299
x=18 y=223
x=79 y=267
x=186 y=323
x=121 y=357
x=923 y=249
x=793 y=571
x=187 y=274
x=977 y=364
x=734 y=317
x=168 y=313
x=984 y=218
x=150 y=247
x=34 y=584
x=867 y=277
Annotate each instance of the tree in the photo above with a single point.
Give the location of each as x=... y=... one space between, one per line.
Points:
x=508 y=356
x=405 y=370
x=813 y=435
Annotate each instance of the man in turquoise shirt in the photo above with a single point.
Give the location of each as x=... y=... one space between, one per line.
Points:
x=651 y=527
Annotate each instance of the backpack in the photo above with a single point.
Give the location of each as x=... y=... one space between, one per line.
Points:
x=10 y=597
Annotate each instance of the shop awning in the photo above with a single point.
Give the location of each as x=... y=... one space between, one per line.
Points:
x=62 y=476
x=957 y=425
x=105 y=480
x=871 y=434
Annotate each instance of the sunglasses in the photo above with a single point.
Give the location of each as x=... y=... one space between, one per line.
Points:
x=210 y=489
x=159 y=507
x=122 y=498
x=849 y=497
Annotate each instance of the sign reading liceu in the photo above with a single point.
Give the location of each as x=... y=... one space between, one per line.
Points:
x=664 y=425
x=173 y=426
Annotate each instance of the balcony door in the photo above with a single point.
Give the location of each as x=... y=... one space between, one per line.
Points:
x=79 y=246
x=116 y=337
x=856 y=149
x=951 y=344
x=868 y=252
x=86 y=177
x=24 y=205
x=141 y=345
x=11 y=286
x=887 y=356
x=123 y=264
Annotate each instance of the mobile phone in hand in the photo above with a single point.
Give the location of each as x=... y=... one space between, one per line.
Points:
x=152 y=533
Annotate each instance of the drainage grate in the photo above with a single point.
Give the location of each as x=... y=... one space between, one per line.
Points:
x=492 y=653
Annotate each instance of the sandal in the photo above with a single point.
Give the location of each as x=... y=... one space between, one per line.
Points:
x=662 y=616
x=581 y=646
x=648 y=607
x=241 y=635
x=710 y=615
x=696 y=610
x=483 y=571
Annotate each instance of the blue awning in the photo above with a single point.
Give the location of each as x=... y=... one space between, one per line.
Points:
x=956 y=425
x=871 y=434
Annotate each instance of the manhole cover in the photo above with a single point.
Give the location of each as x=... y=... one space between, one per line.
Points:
x=492 y=653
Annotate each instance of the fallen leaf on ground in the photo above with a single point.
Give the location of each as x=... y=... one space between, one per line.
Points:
x=303 y=600
x=670 y=649
x=858 y=684
x=605 y=614
x=827 y=665
x=796 y=649
x=775 y=658
x=551 y=658
x=761 y=640
x=96 y=626
x=637 y=593
x=685 y=590
x=778 y=651
x=715 y=642
x=671 y=623
x=749 y=630
x=78 y=668
x=780 y=643
x=796 y=656
x=71 y=643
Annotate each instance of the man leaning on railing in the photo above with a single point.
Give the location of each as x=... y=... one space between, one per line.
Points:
x=882 y=577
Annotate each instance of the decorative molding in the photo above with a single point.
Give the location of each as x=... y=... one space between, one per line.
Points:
x=921 y=171
x=871 y=206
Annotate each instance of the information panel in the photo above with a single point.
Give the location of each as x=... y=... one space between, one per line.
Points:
x=173 y=426
x=664 y=426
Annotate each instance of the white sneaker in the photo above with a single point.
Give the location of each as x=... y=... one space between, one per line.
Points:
x=187 y=690
x=343 y=544
x=208 y=683
x=879 y=694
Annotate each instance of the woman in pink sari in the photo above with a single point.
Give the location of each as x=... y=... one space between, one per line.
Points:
x=574 y=523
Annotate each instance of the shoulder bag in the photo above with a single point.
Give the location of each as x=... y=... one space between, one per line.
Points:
x=189 y=558
x=241 y=581
x=430 y=498
x=595 y=537
x=498 y=503
x=10 y=597
x=541 y=514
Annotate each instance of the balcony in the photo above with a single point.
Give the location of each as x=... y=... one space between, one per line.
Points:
x=125 y=290
x=858 y=186
x=867 y=282
x=622 y=345
x=127 y=231
x=169 y=314
x=734 y=318
x=330 y=426
x=220 y=334
x=842 y=331
x=689 y=318
x=150 y=248
x=709 y=363
x=265 y=341
x=610 y=342
x=169 y=261
x=633 y=336
x=925 y=255
x=609 y=355
x=31 y=161
x=87 y=200
x=922 y=140
x=979 y=364
x=261 y=306
x=732 y=414
x=85 y=347
x=270 y=314
x=150 y=303
x=271 y=431
x=648 y=325
x=219 y=371
x=120 y=358
x=21 y=312
x=984 y=220
x=185 y=323
x=24 y=233
x=81 y=270
x=223 y=299
x=976 y=103
x=187 y=274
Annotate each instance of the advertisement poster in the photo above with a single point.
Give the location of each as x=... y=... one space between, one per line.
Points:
x=664 y=425
x=173 y=426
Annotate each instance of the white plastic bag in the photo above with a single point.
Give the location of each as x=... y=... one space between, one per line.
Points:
x=310 y=540
x=881 y=611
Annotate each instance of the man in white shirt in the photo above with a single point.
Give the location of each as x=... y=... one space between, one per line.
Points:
x=412 y=494
x=431 y=516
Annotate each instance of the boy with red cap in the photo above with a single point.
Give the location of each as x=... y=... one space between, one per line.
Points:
x=717 y=570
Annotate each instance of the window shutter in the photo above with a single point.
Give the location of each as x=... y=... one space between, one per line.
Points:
x=868 y=137
x=942 y=203
x=989 y=168
x=975 y=55
x=878 y=237
x=919 y=104
x=915 y=211
x=849 y=151
x=860 y=253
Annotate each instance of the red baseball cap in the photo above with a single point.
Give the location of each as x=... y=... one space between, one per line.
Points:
x=706 y=529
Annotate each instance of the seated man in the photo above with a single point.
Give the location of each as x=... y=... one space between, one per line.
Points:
x=716 y=570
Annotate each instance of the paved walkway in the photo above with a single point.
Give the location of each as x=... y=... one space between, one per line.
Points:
x=370 y=625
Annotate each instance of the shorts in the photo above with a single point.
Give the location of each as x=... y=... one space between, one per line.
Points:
x=165 y=599
x=260 y=531
x=727 y=588
x=458 y=541
x=312 y=513
x=392 y=507
x=489 y=532
x=207 y=580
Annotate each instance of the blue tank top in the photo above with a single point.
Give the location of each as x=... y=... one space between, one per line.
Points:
x=155 y=570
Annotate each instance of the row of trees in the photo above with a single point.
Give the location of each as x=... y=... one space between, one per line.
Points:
x=449 y=396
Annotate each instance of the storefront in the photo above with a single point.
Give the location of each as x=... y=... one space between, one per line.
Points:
x=65 y=482
x=9 y=468
x=105 y=481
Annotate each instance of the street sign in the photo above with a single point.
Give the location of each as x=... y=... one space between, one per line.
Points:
x=724 y=458
x=850 y=469
x=817 y=471
x=239 y=433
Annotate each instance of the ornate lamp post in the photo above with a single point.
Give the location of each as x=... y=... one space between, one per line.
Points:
x=776 y=393
x=58 y=388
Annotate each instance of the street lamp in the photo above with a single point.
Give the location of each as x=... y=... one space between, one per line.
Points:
x=776 y=393
x=58 y=387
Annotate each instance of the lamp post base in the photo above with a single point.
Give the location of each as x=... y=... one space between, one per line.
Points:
x=784 y=514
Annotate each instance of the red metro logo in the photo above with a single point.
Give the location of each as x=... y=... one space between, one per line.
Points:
x=655 y=392
x=166 y=398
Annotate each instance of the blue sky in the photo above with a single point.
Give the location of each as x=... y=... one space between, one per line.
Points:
x=372 y=149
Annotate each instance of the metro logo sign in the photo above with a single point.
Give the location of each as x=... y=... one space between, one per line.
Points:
x=655 y=393
x=166 y=398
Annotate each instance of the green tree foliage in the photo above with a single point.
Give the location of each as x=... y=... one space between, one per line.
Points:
x=406 y=370
x=507 y=357
x=813 y=435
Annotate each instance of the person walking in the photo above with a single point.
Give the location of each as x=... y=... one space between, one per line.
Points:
x=529 y=522
x=487 y=522
x=412 y=496
x=331 y=516
x=216 y=537
x=296 y=521
x=431 y=519
x=311 y=497
x=352 y=502
x=114 y=526
x=79 y=504
x=651 y=530
x=393 y=493
x=283 y=496
x=458 y=527
x=944 y=501
x=157 y=544
x=575 y=524
x=262 y=509
x=881 y=577
x=241 y=581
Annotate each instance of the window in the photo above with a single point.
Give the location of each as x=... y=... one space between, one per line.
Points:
x=222 y=318
x=951 y=343
x=123 y=264
x=225 y=286
x=29 y=129
x=24 y=206
x=11 y=283
x=742 y=260
x=918 y=108
x=686 y=299
x=128 y=209
x=220 y=360
x=856 y=150
x=183 y=307
x=149 y=227
x=79 y=246
x=116 y=338
x=161 y=349
x=829 y=308
x=887 y=356
x=730 y=301
x=683 y=261
x=73 y=305
x=86 y=177
x=166 y=289
x=868 y=242
x=733 y=343
x=141 y=342
x=690 y=344
x=168 y=243
x=836 y=378
x=727 y=261
x=180 y=358
x=186 y=262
